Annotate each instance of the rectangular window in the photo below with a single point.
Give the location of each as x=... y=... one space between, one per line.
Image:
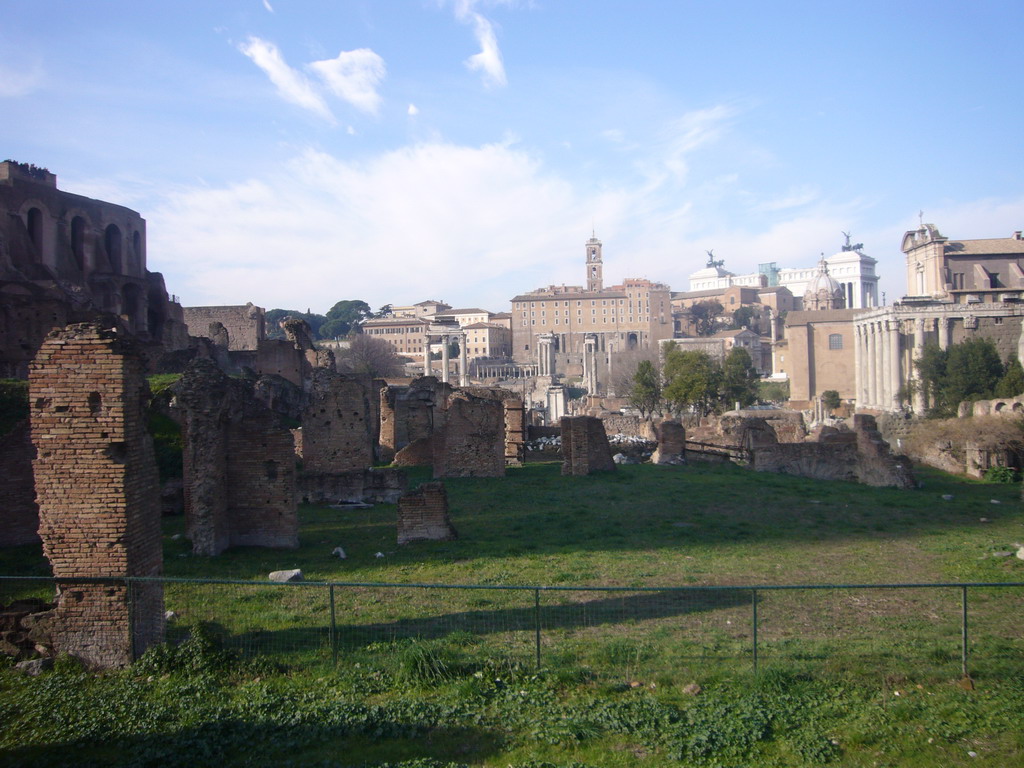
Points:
x=835 y=341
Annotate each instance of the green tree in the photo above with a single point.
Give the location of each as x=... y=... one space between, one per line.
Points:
x=969 y=370
x=646 y=392
x=739 y=378
x=744 y=317
x=692 y=381
x=704 y=315
x=345 y=317
x=830 y=399
x=1012 y=383
x=275 y=316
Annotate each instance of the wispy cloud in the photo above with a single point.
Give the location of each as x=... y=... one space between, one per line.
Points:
x=354 y=76
x=19 y=82
x=413 y=110
x=268 y=6
x=792 y=198
x=691 y=132
x=292 y=85
x=489 y=61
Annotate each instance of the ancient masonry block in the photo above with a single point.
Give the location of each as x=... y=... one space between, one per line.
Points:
x=337 y=430
x=472 y=444
x=423 y=514
x=410 y=413
x=98 y=494
x=671 y=443
x=19 y=514
x=239 y=462
x=585 y=447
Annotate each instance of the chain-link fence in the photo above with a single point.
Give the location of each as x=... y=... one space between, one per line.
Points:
x=631 y=633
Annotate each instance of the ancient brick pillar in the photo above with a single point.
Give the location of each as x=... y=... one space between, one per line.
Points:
x=337 y=428
x=671 y=443
x=98 y=493
x=239 y=462
x=585 y=447
x=515 y=431
x=472 y=443
x=423 y=514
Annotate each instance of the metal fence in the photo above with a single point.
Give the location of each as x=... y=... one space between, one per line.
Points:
x=636 y=633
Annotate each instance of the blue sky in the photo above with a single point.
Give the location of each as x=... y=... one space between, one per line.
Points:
x=297 y=153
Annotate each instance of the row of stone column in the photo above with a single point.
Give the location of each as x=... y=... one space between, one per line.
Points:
x=880 y=362
x=446 y=340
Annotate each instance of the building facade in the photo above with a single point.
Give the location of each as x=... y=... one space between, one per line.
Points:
x=637 y=313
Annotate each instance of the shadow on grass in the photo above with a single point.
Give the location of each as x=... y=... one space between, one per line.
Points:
x=615 y=609
x=254 y=742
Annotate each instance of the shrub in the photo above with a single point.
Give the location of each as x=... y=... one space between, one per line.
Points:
x=1001 y=475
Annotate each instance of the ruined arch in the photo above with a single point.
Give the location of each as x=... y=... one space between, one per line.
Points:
x=34 y=224
x=112 y=242
x=136 y=255
x=78 y=226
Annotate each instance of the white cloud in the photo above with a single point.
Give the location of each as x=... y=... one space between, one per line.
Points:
x=793 y=198
x=15 y=82
x=292 y=85
x=413 y=110
x=354 y=76
x=488 y=62
x=692 y=131
x=268 y=6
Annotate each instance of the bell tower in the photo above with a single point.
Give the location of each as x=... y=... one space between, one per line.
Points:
x=595 y=281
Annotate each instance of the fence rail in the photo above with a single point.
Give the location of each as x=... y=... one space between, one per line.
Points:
x=949 y=627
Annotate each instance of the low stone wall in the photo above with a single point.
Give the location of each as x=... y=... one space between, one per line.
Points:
x=585 y=447
x=423 y=515
x=623 y=424
x=382 y=485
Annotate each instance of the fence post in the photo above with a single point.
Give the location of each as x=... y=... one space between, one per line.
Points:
x=753 y=603
x=536 y=622
x=963 y=630
x=334 y=633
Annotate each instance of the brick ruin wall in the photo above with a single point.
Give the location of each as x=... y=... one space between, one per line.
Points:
x=515 y=421
x=239 y=461
x=20 y=522
x=98 y=493
x=410 y=413
x=860 y=456
x=337 y=425
x=423 y=515
x=671 y=443
x=585 y=447
x=472 y=443
x=245 y=325
x=623 y=424
x=379 y=485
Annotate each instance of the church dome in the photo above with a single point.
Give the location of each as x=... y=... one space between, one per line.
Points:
x=824 y=292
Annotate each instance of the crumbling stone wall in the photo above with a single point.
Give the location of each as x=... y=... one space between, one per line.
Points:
x=337 y=425
x=859 y=456
x=423 y=515
x=671 y=443
x=239 y=464
x=472 y=443
x=98 y=493
x=515 y=421
x=623 y=424
x=410 y=413
x=379 y=485
x=245 y=326
x=585 y=447
x=19 y=515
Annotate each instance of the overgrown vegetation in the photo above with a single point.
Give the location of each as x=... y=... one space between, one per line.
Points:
x=847 y=678
x=970 y=370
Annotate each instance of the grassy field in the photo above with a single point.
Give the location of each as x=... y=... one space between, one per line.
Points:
x=648 y=675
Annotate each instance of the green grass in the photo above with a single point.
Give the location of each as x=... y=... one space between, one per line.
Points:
x=447 y=677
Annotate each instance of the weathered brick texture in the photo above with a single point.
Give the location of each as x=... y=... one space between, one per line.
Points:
x=472 y=443
x=423 y=514
x=585 y=447
x=19 y=515
x=337 y=426
x=97 y=489
x=671 y=443
x=239 y=462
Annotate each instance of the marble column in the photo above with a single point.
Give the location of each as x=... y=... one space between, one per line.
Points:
x=463 y=361
x=919 y=406
x=426 y=354
x=445 y=341
x=895 y=379
x=944 y=332
x=872 y=365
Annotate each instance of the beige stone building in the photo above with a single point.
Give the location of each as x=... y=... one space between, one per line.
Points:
x=637 y=313
x=408 y=335
x=489 y=340
x=963 y=271
x=817 y=354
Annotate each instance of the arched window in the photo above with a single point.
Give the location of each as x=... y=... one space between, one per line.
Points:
x=112 y=241
x=35 y=227
x=835 y=341
x=136 y=266
x=78 y=241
